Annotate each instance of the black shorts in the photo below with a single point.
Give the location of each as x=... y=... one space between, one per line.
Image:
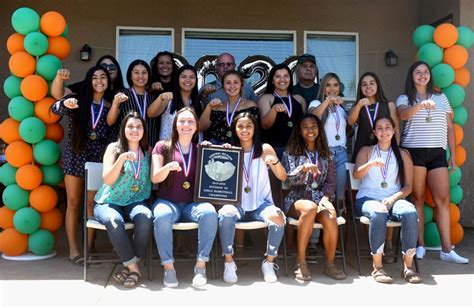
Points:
x=430 y=158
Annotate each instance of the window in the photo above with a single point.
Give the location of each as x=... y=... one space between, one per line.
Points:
x=141 y=43
x=338 y=53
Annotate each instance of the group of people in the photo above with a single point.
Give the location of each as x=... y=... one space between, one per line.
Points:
x=148 y=134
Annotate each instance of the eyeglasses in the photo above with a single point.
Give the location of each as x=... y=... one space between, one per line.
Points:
x=225 y=64
x=109 y=67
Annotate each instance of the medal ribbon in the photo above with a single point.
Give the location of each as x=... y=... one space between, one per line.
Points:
x=137 y=168
x=316 y=156
x=384 y=168
x=371 y=120
x=142 y=109
x=227 y=118
x=248 y=167
x=95 y=121
x=335 y=114
x=289 y=109
x=186 y=164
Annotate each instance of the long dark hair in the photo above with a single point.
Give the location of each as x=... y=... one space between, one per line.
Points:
x=177 y=103
x=130 y=69
x=117 y=84
x=322 y=92
x=155 y=76
x=270 y=86
x=296 y=145
x=379 y=95
x=122 y=142
x=82 y=115
x=256 y=141
x=410 y=89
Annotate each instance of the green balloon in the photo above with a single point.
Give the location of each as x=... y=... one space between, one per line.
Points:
x=455 y=94
x=465 y=37
x=26 y=220
x=460 y=115
x=7 y=174
x=422 y=35
x=41 y=242
x=46 y=152
x=432 y=235
x=15 y=197
x=11 y=86
x=32 y=130
x=52 y=175
x=431 y=54
x=443 y=75
x=47 y=66
x=455 y=194
x=36 y=43
x=66 y=31
x=25 y=20
x=428 y=213
x=455 y=177
x=20 y=108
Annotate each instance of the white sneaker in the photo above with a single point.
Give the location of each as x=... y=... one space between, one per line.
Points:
x=452 y=256
x=268 y=270
x=420 y=252
x=230 y=275
x=200 y=278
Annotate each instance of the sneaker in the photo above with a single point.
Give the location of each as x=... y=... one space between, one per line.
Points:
x=268 y=270
x=452 y=256
x=420 y=252
x=170 y=280
x=230 y=275
x=200 y=278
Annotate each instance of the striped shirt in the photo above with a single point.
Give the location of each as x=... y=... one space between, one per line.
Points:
x=418 y=132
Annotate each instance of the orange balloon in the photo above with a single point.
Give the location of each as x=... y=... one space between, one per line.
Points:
x=34 y=88
x=15 y=43
x=43 y=199
x=457 y=233
x=460 y=155
x=22 y=64
x=454 y=213
x=458 y=132
x=51 y=220
x=10 y=131
x=19 y=153
x=29 y=177
x=6 y=217
x=456 y=56
x=429 y=197
x=445 y=35
x=59 y=47
x=462 y=76
x=52 y=23
x=13 y=243
x=54 y=132
x=43 y=110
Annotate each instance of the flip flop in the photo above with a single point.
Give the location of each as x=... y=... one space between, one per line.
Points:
x=77 y=260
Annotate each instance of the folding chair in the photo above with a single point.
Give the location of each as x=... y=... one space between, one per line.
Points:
x=92 y=182
x=353 y=185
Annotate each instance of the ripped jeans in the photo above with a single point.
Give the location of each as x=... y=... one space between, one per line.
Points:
x=401 y=210
x=230 y=214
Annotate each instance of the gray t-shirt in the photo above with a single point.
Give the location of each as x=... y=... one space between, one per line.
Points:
x=247 y=92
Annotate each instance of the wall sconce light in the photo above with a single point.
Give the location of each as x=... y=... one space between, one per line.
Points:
x=86 y=52
x=391 y=59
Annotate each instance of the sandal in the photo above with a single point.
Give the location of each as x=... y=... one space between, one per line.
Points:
x=132 y=280
x=410 y=275
x=332 y=271
x=380 y=275
x=302 y=272
x=77 y=260
x=121 y=276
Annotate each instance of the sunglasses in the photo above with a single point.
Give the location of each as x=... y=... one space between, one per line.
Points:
x=109 y=67
x=225 y=64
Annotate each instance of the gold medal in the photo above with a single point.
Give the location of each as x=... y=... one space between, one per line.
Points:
x=247 y=189
x=428 y=119
x=229 y=134
x=384 y=184
x=93 y=136
x=314 y=185
x=186 y=185
x=290 y=124
x=338 y=137
x=135 y=188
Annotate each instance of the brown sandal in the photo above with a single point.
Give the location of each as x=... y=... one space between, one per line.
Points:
x=380 y=275
x=302 y=272
x=410 y=275
x=332 y=271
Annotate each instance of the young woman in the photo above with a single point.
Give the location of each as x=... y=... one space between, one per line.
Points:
x=137 y=99
x=312 y=181
x=257 y=202
x=88 y=136
x=174 y=167
x=387 y=178
x=428 y=130
x=218 y=116
x=163 y=73
x=124 y=195
x=279 y=109
x=185 y=95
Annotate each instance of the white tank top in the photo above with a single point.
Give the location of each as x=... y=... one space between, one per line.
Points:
x=259 y=184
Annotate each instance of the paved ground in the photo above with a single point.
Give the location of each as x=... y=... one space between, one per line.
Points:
x=56 y=282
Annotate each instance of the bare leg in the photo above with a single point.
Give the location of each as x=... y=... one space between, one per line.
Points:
x=305 y=211
x=74 y=190
x=330 y=234
x=418 y=198
x=438 y=181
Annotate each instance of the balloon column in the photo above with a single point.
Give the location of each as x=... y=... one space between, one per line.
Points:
x=445 y=49
x=29 y=217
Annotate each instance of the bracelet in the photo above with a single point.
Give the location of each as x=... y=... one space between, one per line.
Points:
x=274 y=164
